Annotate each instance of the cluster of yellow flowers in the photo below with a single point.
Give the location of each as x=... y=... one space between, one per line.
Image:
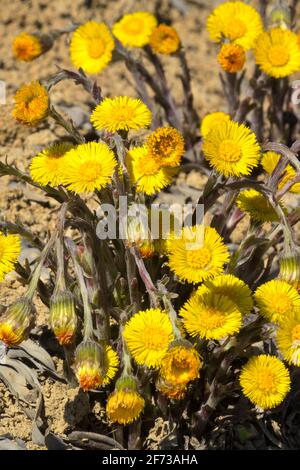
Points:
x=239 y=28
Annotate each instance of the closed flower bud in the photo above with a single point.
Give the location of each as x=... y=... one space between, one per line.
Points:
x=16 y=322
x=281 y=16
x=138 y=234
x=63 y=318
x=125 y=404
x=89 y=365
x=289 y=270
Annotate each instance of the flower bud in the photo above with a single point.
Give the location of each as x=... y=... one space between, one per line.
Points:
x=63 y=318
x=90 y=365
x=289 y=270
x=281 y=16
x=138 y=235
x=125 y=404
x=16 y=322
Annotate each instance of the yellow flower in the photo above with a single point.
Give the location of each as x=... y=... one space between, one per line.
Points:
x=288 y=340
x=265 y=381
x=166 y=146
x=91 y=47
x=88 y=167
x=27 y=47
x=31 y=104
x=198 y=254
x=277 y=53
x=232 y=287
x=257 y=206
x=16 y=322
x=231 y=58
x=164 y=40
x=232 y=149
x=235 y=21
x=269 y=162
x=10 y=248
x=212 y=120
x=95 y=364
x=135 y=29
x=170 y=390
x=277 y=300
x=289 y=269
x=63 y=317
x=121 y=113
x=148 y=335
x=211 y=316
x=45 y=167
x=180 y=364
x=146 y=173
x=125 y=404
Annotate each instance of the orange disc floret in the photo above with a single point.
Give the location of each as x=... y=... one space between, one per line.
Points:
x=31 y=104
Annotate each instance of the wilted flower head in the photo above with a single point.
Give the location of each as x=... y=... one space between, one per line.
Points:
x=31 y=104
x=164 y=39
x=232 y=58
x=166 y=146
x=17 y=322
x=181 y=363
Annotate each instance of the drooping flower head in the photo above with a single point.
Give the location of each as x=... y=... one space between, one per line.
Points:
x=17 y=322
x=277 y=53
x=164 y=40
x=289 y=269
x=257 y=206
x=171 y=390
x=125 y=404
x=45 y=166
x=63 y=318
x=88 y=167
x=91 y=47
x=166 y=146
x=197 y=254
x=180 y=364
x=95 y=364
x=135 y=29
x=27 y=47
x=236 y=21
x=212 y=120
x=146 y=173
x=277 y=300
x=211 y=316
x=148 y=335
x=269 y=162
x=232 y=58
x=121 y=113
x=231 y=149
x=288 y=340
x=10 y=248
x=31 y=104
x=265 y=381
x=232 y=287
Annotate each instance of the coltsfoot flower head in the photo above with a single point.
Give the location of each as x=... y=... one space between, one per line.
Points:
x=232 y=58
x=91 y=47
x=211 y=316
x=45 y=166
x=138 y=234
x=198 y=254
x=170 y=390
x=121 y=113
x=27 y=47
x=166 y=146
x=146 y=173
x=164 y=39
x=265 y=381
x=17 y=322
x=63 y=318
x=277 y=53
x=288 y=340
x=236 y=21
x=135 y=29
x=95 y=364
x=212 y=120
x=270 y=160
x=88 y=167
x=125 y=404
x=232 y=287
x=277 y=301
x=148 y=335
x=31 y=104
x=231 y=149
x=10 y=248
x=257 y=206
x=180 y=364
x=289 y=269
